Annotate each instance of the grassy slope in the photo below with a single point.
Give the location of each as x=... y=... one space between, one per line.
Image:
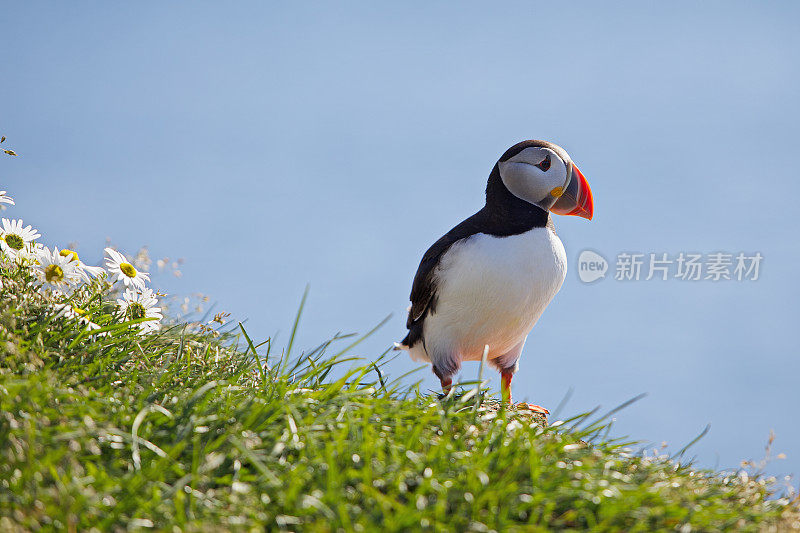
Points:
x=186 y=429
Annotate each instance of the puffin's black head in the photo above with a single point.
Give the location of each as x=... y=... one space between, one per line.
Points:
x=541 y=174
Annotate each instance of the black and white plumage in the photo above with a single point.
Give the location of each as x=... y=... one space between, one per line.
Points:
x=488 y=280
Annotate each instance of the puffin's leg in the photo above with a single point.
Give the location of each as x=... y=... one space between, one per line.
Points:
x=505 y=378
x=505 y=385
x=508 y=364
x=445 y=378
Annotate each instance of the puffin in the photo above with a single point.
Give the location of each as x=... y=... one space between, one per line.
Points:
x=484 y=284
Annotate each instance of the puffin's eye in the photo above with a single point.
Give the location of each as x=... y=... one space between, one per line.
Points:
x=545 y=163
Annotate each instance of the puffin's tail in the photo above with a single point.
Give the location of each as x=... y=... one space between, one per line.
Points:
x=404 y=344
x=407 y=342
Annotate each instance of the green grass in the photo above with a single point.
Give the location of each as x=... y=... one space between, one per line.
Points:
x=194 y=430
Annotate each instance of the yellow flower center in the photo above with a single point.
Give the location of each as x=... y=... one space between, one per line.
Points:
x=14 y=241
x=78 y=310
x=69 y=253
x=128 y=269
x=53 y=273
x=136 y=310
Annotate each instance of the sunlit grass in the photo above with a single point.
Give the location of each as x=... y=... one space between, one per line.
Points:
x=202 y=430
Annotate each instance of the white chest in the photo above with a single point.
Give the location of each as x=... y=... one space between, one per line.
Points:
x=492 y=290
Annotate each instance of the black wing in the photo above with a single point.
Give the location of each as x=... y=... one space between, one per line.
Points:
x=424 y=289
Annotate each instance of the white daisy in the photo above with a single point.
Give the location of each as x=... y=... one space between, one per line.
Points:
x=67 y=311
x=5 y=200
x=28 y=256
x=141 y=305
x=14 y=239
x=86 y=272
x=73 y=312
x=126 y=272
x=56 y=271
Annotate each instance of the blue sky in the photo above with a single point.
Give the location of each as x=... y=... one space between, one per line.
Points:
x=275 y=145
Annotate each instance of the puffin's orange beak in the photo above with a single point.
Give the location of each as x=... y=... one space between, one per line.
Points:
x=577 y=199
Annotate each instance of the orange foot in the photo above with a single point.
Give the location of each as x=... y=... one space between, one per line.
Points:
x=534 y=408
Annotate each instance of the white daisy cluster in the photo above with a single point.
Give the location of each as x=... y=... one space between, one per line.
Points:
x=59 y=273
